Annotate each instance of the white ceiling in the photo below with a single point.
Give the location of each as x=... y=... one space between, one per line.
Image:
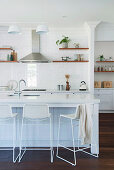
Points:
x=51 y=11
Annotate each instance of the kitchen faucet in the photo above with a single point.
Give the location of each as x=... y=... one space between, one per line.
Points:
x=19 y=83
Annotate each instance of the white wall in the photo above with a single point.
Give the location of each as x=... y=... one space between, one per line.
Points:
x=104 y=47
x=21 y=43
x=48 y=75
x=105 y=32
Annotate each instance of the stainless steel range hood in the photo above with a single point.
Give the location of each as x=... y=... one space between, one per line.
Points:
x=35 y=56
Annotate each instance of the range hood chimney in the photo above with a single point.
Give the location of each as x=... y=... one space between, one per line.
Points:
x=35 y=56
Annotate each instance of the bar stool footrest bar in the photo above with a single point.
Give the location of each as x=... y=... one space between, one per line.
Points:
x=65 y=160
x=91 y=154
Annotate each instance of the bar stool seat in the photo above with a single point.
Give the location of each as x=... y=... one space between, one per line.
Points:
x=37 y=116
x=69 y=116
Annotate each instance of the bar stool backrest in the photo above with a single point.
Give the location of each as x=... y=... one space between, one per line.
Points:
x=5 y=111
x=36 y=111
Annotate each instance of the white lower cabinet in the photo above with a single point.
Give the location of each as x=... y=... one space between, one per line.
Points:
x=106 y=97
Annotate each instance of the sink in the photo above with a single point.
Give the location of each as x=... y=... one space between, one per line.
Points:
x=31 y=95
x=24 y=95
x=17 y=93
x=13 y=95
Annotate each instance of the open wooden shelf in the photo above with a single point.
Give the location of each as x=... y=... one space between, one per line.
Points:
x=73 y=48
x=104 y=61
x=103 y=71
x=6 y=49
x=8 y=61
x=71 y=61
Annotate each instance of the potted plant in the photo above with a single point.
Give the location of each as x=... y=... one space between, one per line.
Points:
x=102 y=58
x=64 y=42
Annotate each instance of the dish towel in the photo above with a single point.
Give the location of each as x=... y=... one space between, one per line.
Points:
x=84 y=114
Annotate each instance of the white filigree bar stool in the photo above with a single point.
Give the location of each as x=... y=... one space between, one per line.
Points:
x=7 y=116
x=36 y=114
x=74 y=121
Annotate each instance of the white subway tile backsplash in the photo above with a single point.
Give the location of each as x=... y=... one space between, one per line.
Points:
x=49 y=75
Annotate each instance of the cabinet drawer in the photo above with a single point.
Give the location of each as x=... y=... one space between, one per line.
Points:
x=103 y=91
x=106 y=98
x=104 y=106
x=106 y=101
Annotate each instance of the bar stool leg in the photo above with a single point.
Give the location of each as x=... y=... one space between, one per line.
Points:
x=58 y=135
x=73 y=142
x=78 y=138
x=51 y=147
x=14 y=139
x=21 y=134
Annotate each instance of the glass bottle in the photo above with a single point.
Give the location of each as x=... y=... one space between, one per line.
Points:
x=112 y=68
x=102 y=69
x=109 y=68
x=105 y=68
x=8 y=57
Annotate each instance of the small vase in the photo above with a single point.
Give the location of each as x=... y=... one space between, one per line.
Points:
x=64 y=45
x=101 y=59
x=67 y=86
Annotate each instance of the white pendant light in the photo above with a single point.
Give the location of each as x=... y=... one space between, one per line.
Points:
x=14 y=29
x=42 y=29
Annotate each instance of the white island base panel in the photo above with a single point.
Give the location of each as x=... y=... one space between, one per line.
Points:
x=35 y=135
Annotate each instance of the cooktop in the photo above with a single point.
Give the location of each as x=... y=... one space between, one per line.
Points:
x=34 y=90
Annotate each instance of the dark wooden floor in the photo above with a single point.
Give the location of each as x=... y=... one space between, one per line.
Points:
x=106 y=124
x=40 y=160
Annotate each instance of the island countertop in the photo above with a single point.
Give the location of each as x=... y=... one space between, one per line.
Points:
x=51 y=99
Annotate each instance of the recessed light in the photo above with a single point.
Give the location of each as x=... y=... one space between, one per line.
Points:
x=64 y=16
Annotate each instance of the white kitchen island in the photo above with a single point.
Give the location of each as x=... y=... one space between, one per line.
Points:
x=59 y=104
